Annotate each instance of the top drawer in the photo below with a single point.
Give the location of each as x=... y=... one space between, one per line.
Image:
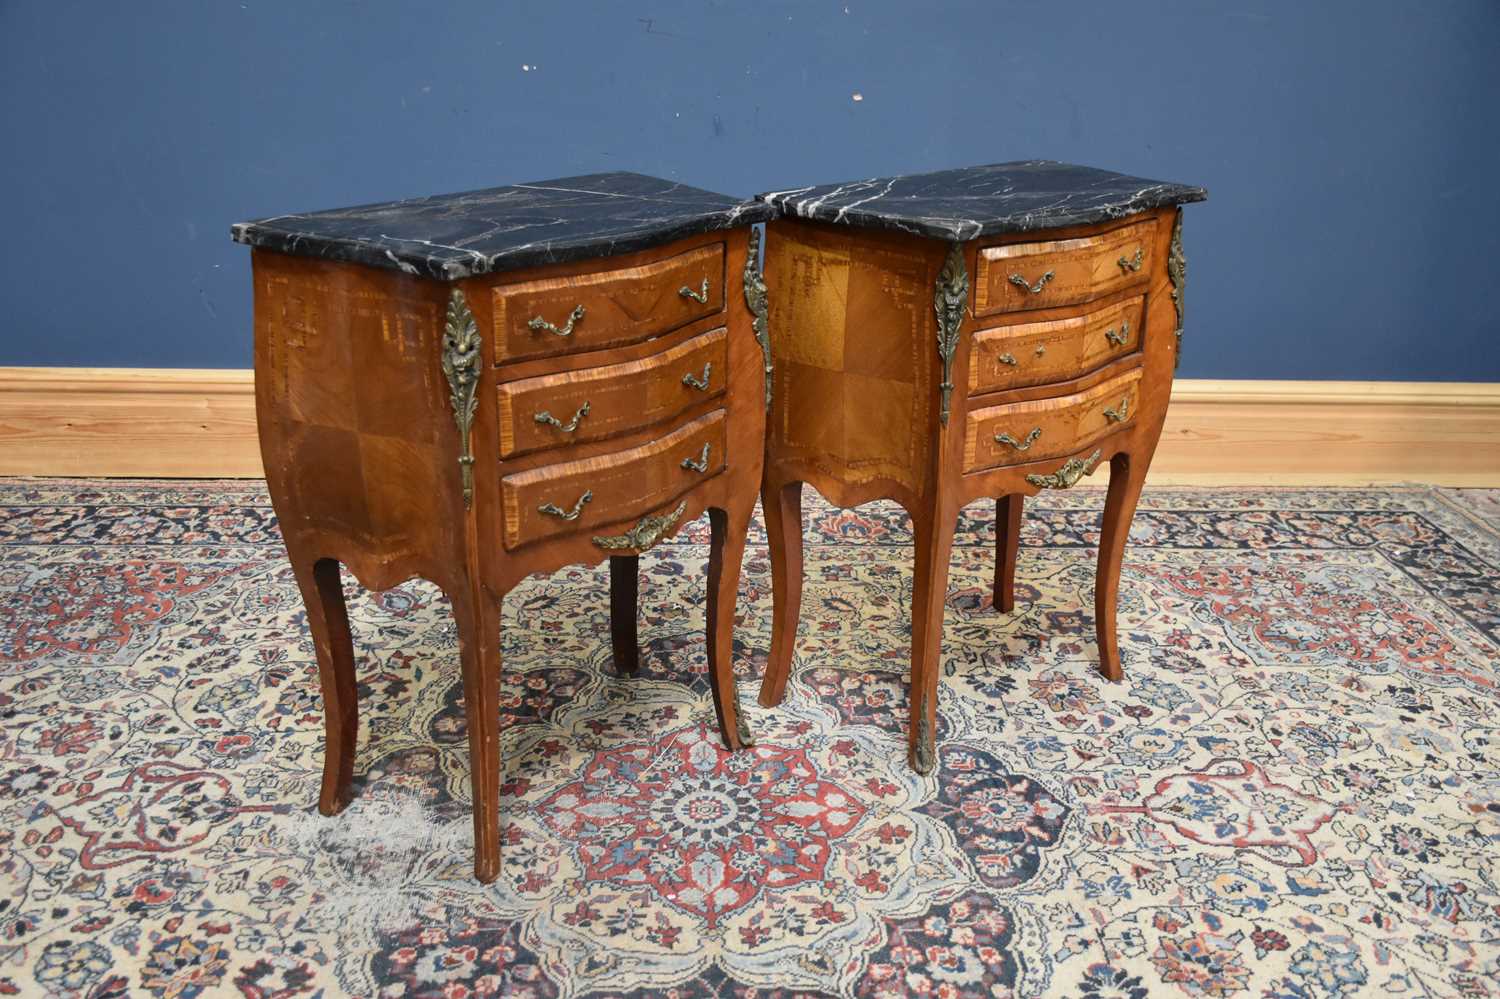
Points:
x=1019 y=276
x=588 y=311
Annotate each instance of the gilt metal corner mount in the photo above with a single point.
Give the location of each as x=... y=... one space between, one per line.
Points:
x=461 y=343
x=948 y=301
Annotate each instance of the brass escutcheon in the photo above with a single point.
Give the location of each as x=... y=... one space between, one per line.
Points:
x=1068 y=475
x=647 y=532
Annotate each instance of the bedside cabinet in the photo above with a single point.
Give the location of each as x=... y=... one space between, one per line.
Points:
x=476 y=387
x=987 y=332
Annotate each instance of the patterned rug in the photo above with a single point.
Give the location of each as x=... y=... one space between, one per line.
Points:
x=1294 y=793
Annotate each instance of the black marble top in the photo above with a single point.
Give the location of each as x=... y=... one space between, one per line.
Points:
x=453 y=236
x=981 y=201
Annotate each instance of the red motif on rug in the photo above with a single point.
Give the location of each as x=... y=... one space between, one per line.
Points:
x=706 y=829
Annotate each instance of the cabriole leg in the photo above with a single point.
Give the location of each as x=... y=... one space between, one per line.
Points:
x=478 y=617
x=929 y=590
x=782 y=506
x=328 y=620
x=727 y=550
x=1126 y=477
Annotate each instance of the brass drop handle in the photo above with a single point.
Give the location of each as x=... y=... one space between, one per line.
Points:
x=1008 y=359
x=1133 y=263
x=1118 y=339
x=701 y=297
x=548 y=419
x=1025 y=445
x=701 y=384
x=553 y=510
x=1118 y=415
x=701 y=465
x=1035 y=289
x=540 y=325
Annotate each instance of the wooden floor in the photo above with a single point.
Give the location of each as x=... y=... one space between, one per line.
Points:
x=201 y=423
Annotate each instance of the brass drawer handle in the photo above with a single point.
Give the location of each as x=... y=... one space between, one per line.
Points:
x=1118 y=415
x=647 y=532
x=553 y=510
x=1118 y=339
x=701 y=465
x=1025 y=445
x=701 y=297
x=548 y=419
x=540 y=325
x=1035 y=289
x=1132 y=264
x=701 y=384
x=1068 y=475
x=1008 y=359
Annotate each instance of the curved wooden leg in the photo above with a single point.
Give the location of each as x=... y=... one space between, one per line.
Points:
x=1126 y=477
x=782 y=507
x=929 y=590
x=726 y=551
x=1007 y=543
x=624 y=580
x=478 y=619
x=328 y=620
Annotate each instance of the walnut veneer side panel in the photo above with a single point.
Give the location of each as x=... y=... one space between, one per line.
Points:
x=854 y=345
x=356 y=432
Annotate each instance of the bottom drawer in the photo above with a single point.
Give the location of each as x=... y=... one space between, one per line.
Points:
x=1020 y=432
x=580 y=495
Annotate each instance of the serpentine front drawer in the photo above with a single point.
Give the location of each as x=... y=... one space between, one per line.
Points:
x=1023 y=432
x=565 y=315
x=1042 y=275
x=575 y=406
x=590 y=493
x=1026 y=354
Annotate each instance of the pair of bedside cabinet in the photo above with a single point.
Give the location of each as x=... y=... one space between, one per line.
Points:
x=477 y=387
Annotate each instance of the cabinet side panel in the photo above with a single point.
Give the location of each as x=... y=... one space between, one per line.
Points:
x=854 y=342
x=356 y=433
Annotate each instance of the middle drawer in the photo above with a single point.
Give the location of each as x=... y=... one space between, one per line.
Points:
x=1026 y=354
x=593 y=403
x=579 y=495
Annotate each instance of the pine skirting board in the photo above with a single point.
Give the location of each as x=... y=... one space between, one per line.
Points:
x=189 y=423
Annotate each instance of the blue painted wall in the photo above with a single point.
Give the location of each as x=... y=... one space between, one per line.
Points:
x=1350 y=148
